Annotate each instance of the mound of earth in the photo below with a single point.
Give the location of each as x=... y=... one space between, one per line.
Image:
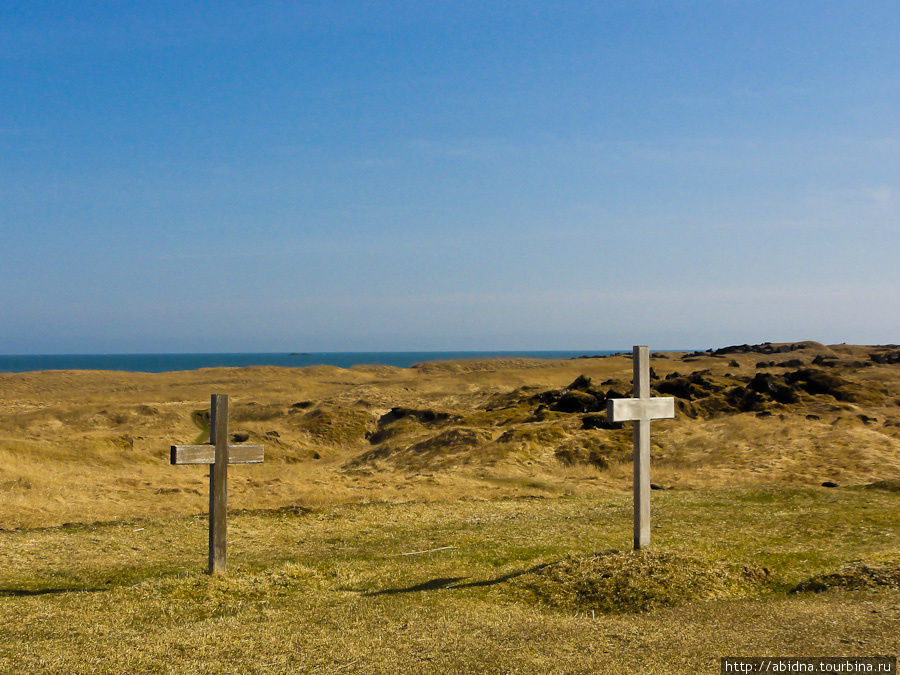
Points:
x=450 y=447
x=638 y=581
x=855 y=577
x=890 y=484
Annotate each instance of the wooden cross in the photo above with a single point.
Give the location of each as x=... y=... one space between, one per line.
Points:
x=218 y=454
x=640 y=410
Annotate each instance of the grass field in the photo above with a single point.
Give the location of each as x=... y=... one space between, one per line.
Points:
x=476 y=533
x=330 y=588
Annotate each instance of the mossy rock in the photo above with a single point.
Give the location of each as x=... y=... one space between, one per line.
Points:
x=818 y=382
x=638 y=581
x=578 y=402
x=773 y=386
x=453 y=446
x=453 y=440
x=714 y=405
x=574 y=452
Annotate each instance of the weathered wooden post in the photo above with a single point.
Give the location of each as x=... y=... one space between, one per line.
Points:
x=641 y=409
x=218 y=454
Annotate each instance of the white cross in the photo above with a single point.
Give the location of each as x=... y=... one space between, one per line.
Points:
x=640 y=410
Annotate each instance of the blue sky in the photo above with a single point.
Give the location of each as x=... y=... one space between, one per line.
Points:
x=304 y=176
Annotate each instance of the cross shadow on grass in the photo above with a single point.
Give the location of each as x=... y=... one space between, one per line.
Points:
x=27 y=592
x=452 y=583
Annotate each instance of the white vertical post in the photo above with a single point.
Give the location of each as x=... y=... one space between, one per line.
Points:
x=641 y=365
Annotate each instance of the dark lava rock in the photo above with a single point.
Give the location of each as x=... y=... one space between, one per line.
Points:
x=579 y=397
x=695 y=394
x=813 y=417
x=733 y=364
x=830 y=484
x=774 y=386
x=240 y=437
x=578 y=402
x=690 y=387
x=654 y=486
x=866 y=419
x=790 y=363
x=273 y=434
x=686 y=408
x=822 y=361
x=764 y=413
x=598 y=422
x=540 y=413
x=580 y=383
x=425 y=416
x=302 y=405
x=680 y=387
x=819 y=382
x=545 y=397
x=764 y=348
x=744 y=400
x=885 y=358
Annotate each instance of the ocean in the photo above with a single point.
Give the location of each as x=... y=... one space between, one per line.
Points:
x=163 y=363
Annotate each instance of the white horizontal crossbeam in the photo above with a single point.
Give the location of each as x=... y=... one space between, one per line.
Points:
x=206 y=454
x=633 y=409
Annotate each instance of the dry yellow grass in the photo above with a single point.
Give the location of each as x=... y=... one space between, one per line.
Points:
x=86 y=446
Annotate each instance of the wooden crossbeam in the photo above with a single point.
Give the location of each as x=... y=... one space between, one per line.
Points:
x=633 y=409
x=206 y=454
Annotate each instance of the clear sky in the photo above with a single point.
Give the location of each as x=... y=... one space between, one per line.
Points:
x=325 y=176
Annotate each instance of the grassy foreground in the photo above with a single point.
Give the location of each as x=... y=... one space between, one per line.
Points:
x=331 y=589
x=470 y=516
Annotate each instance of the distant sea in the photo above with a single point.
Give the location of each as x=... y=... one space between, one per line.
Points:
x=163 y=363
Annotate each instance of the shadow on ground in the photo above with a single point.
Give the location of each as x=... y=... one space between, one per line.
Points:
x=449 y=583
x=25 y=592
